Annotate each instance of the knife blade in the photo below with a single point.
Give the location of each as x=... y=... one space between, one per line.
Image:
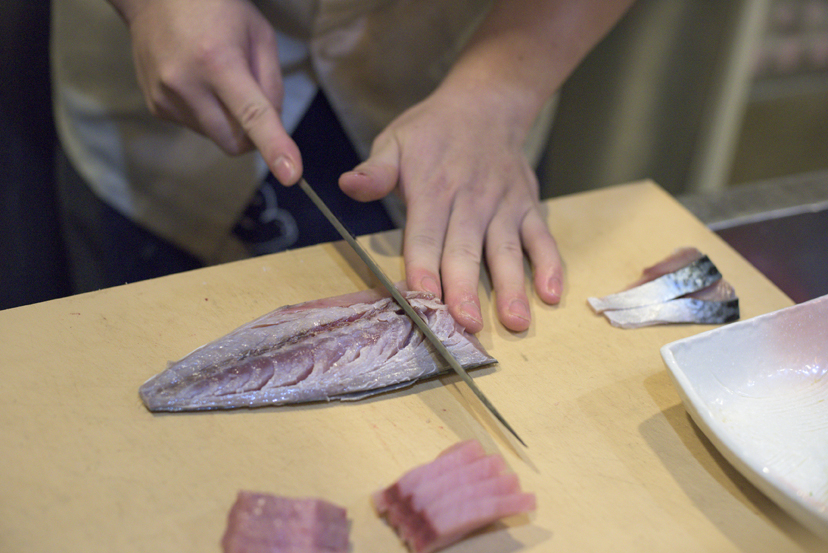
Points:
x=406 y=306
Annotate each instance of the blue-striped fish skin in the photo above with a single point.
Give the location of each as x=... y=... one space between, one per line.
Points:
x=699 y=274
x=686 y=287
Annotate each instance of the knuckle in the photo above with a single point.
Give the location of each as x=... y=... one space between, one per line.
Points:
x=235 y=144
x=510 y=249
x=208 y=53
x=172 y=78
x=465 y=251
x=252 y=113
x=426 y=242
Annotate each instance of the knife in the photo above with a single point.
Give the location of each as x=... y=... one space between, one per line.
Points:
x=406 y=306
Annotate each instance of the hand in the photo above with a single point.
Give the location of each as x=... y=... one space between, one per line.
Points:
x=213 y=66
x=469 y=190
x=457 y=158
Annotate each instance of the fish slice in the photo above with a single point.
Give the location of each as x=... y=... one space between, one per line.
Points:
x=400 y=299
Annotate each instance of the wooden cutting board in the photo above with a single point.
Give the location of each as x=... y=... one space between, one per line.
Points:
x=613 y=458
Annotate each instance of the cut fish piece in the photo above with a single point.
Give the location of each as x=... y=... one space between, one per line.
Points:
x=460 y=454
x=336 y=348
x=265 y=523
x=675 y=261
x=479 y=470
x=699 y=273
x=716 y=304
x=685 y=271
x=462 y=490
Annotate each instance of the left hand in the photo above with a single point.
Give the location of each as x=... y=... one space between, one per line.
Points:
x=469 y=190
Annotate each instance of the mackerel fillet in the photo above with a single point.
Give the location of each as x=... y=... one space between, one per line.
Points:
x=345 y=347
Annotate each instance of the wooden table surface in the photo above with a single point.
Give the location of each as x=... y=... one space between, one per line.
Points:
x=614 y=460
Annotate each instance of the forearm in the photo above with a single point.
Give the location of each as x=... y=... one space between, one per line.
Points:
x=525 y=49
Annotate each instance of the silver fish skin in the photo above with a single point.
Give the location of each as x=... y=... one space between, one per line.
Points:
x=715 y=304
x=681 y=310
x=695 y=276
x=333 y=348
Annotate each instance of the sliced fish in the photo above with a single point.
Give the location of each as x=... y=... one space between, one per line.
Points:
x=266 y=523
x=439 y=503
x=696 y=275
x=686 y=287
x=336 y=348
x=716 y=304
x=675 y=261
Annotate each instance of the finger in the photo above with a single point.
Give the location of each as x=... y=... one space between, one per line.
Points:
x=427 y=219
x=376 y=177
x=461 y=259
x=264 y=64
x=183 y=98
x=504 y=256
x=425 y=226
x=203 y=113
x=544 y=256
x=260 y=120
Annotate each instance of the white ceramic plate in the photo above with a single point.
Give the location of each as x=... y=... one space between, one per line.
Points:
x=759 y=391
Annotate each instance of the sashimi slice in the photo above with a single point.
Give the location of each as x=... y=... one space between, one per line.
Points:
x=265 y=523
x=477 y=471
x=675 y=261
x=439 y=503
x=458 y=455
x=451 y=526
x=438 y=517
x=683 y=310
x=699 y=273
x=716 y=304
x=411 y=506
x=683 y=288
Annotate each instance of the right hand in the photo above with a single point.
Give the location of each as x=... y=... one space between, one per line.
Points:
x=213 y=66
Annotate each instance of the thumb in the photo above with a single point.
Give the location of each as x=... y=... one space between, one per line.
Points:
x=375 y=177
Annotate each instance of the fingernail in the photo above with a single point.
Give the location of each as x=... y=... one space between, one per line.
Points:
x=430 y=284
x=519 y=309
x=471 y=311
x=555 y=288
x=284 y=169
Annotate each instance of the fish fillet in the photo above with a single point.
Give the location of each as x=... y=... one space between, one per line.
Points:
x=343 y=347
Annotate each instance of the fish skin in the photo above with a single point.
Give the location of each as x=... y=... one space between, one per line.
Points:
x=340 y=347
x=715 y=303
x=681 y=310
x=695 y=276
x=676 y=260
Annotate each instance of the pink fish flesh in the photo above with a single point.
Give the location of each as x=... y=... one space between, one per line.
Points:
x=344 y=347
x=682 y=257
x=265 y=523
x=683 y=288
x=437 y=504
